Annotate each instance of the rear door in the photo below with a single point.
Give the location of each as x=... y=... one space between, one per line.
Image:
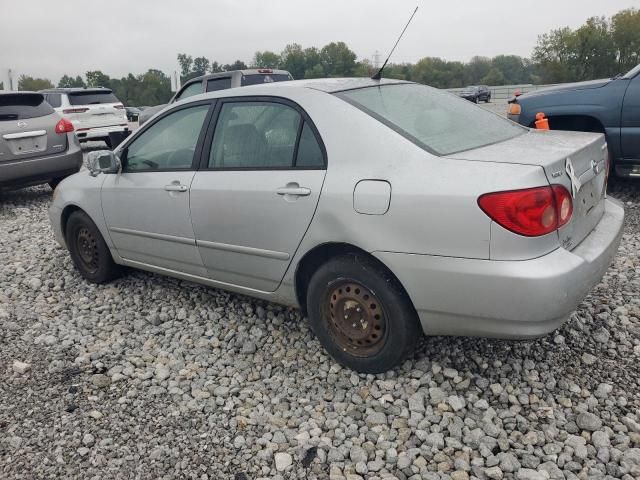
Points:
x=630 y=121
x=257 y=190
x=27 y=127
x=95 y=108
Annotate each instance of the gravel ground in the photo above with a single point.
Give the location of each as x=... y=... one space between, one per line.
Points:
x=151 y=377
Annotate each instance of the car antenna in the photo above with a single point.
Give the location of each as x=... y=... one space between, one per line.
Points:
x=378 y=75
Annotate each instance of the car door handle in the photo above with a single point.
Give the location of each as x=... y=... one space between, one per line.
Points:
x=294 y=190
x=176 y=188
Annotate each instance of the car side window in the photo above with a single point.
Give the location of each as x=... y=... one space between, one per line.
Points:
x=309 y=151
x=190 y=90
x=255 y=135
x=53 y=99
x=168 y=144
x=218 y=84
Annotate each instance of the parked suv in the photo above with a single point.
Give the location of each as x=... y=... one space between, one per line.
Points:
x=220 y=81
x=94 y=112
x=37 y=145
x=610 y=106
x=477 y=93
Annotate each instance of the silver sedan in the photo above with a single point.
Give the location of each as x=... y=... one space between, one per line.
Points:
x=380 y=208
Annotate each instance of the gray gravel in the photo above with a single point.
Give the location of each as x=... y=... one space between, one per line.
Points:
x=151 y=377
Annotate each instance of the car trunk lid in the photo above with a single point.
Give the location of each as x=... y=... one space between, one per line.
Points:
x=95 y=108
x=27 y=127
x=575 y=160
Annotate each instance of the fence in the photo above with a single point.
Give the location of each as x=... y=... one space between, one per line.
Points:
x=505 y=92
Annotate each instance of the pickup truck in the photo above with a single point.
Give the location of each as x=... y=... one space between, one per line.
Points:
x=610 y=106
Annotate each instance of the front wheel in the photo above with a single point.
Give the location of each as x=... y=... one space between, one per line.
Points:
x=361 y=315
x=88 y=250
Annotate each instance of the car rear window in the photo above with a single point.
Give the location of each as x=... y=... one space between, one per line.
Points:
x=259 y=78
x=92 y=98
x=437 y=121
x=19 y=106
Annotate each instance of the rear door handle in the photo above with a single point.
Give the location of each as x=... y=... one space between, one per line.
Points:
x=296 y=191
x=176 y=188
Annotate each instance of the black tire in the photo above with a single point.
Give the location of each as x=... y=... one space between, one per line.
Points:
x=54 y=182
x=398 y=329
x=475 y=100
x=88 y=250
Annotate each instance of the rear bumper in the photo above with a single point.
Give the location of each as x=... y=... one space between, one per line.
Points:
x=42 y=169
x=100 y=132
x=507 y=299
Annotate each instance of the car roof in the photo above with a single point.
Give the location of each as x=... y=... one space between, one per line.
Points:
x=327 y=85
x=249 y=71
x=77 y=89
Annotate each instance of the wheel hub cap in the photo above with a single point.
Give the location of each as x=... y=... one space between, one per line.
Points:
x=356 y=319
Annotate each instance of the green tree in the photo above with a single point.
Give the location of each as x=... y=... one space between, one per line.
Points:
x=512 y=67
x=494 y=77
x=293 y=60
x=70 y=82
x=266 y=59
x=625 y=29
x=477 y=69
x=237 y=65
x=594 y=52
x=201 y=66
x=26 y=82
x=314 y=72
x=185 y=61
x=95 y=78
x=337 y=60
x=215 y=67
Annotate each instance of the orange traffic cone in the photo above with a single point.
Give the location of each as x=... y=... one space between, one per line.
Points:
x=542 y=122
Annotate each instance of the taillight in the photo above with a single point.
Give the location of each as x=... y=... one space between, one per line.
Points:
x=67 y=111
x=118 y=107
x=64 y=126
x=531 y=212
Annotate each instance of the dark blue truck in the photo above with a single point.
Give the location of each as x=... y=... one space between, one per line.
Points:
x=610 y=106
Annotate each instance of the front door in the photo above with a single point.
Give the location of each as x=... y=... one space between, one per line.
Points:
x=146 y=207
x=256 y=194
x=630 y=125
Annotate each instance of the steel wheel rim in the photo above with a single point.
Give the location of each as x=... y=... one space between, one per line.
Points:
x=87 y=248
x=356 y=318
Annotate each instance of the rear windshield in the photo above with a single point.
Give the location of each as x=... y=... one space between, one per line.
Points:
x=264 y=78
x=19 y=106
x=437 y=121
x=92 y=98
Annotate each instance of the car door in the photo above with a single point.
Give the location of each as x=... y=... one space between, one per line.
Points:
x=257 y=190
x=146 y=207
x=630 y=121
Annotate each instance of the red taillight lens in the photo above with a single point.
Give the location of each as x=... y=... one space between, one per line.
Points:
x=530 y=212
x=67 y=111
x=64 y=126
x=118 y=107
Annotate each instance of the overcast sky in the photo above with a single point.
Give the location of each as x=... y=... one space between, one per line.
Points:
x=45 y=38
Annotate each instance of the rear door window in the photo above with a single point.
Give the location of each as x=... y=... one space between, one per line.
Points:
x=92 y=98
x=218 y=84
x=259 y=78
x=20 y=106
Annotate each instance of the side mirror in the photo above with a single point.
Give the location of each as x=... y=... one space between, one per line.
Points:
x=102 y=161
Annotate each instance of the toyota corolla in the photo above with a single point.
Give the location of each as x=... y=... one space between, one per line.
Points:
x=382 y=209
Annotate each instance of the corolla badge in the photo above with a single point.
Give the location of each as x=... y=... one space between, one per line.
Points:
x=22 y=124
x=575 y=181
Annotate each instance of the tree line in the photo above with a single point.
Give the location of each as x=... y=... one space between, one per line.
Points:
x=602 y=47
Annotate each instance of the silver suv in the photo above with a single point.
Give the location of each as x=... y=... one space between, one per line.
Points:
x=37 y=145
x=94 y=112
x=220 y=81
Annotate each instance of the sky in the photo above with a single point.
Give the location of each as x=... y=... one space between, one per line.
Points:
x=47 y=39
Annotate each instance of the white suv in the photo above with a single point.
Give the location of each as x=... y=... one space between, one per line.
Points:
x=94 y=112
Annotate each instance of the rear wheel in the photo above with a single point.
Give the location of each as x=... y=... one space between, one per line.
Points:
x=361 y=315
x=88 y=250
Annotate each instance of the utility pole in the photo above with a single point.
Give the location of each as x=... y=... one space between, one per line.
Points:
x=10 y=74
x=376 y=60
